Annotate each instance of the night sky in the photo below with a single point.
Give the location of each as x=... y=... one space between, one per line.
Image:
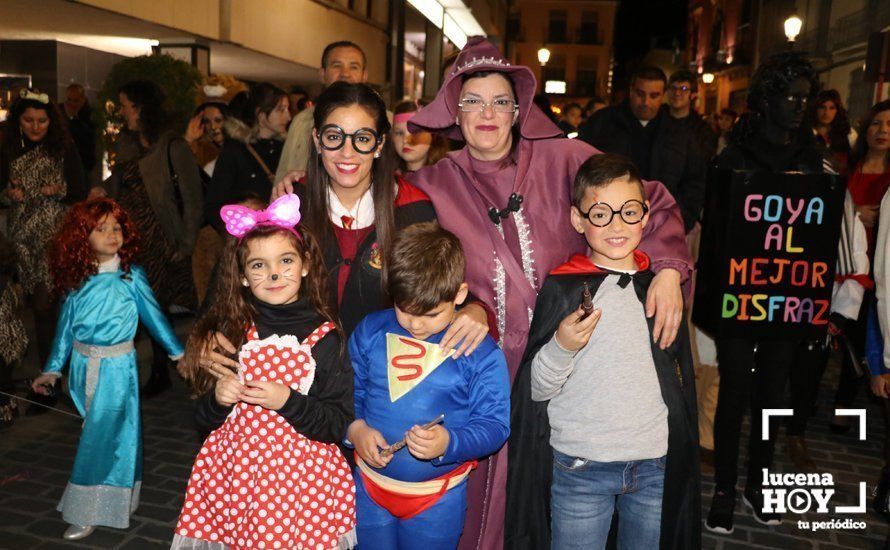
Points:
x=640 y=22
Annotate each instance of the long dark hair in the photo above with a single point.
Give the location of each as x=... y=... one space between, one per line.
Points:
x=155 y=116
x=318 y=181
x=56 y=139
x=773 y=76
x=261 y=98
x=860 y=149
x=231 y=313
x=839 y=130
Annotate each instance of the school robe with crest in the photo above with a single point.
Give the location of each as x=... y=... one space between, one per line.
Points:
x=363 y=292
x=527 y=524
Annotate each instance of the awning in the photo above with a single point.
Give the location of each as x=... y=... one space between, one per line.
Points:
x=452 y=16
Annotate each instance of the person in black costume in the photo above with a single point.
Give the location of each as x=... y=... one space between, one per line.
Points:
x=754 y=372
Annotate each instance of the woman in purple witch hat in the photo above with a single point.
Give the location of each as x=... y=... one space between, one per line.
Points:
x=507 y=196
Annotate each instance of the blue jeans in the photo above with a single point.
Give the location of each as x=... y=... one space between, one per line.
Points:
x=584 y=495
x=436 y=528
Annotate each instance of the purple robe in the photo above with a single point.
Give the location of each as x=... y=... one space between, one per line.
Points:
x=507 y=279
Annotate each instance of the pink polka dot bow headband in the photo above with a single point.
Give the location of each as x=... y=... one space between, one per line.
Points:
x=284 y=212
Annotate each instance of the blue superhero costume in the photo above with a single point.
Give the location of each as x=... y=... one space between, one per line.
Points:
x=397 y=387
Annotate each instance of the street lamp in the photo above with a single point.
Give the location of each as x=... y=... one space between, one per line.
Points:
x=707 y=78
x=792 y=27
x=543 y=56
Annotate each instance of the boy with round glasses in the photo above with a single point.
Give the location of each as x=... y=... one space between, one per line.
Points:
x=602 y=417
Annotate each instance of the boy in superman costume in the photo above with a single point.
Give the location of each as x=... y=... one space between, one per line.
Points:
x=415 y=497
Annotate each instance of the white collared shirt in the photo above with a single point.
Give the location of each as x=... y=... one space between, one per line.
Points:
x=362 y=213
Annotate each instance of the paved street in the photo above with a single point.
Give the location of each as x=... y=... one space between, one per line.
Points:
x=36 y=456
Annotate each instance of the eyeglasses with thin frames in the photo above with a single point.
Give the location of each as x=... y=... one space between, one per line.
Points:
x=475 y=105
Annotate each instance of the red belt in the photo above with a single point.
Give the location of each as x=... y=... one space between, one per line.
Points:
x=403 y=499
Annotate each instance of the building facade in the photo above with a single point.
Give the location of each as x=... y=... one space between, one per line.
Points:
x=280 y=41
x=727 y=38
x=579 y=36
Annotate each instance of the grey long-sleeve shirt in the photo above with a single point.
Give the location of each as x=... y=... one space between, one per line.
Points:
x=605 y=400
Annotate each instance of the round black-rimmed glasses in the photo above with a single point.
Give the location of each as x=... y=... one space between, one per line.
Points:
x=601 y=214
x=332 y=137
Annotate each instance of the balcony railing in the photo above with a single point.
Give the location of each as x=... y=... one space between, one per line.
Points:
x=850 y=30
x=855 y=28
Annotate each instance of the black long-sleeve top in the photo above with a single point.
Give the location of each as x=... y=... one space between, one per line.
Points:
x=324 y=413
x=237 y=173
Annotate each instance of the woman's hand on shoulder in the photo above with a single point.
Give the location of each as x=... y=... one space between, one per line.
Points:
x=665 y=301
x=287 y=184
x=466 y=332
x=212 y=358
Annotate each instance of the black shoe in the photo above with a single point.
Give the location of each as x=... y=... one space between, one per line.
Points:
x=722 y=510
x=881 y=501
x=158 y=383
x=754 y=501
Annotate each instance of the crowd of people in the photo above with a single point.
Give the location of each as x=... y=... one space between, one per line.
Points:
x=462 y=323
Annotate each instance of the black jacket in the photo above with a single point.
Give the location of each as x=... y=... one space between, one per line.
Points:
x=324 y=413
x=527 y=522
x=237 y=173
x=83 y=133
x=674 y=157
x=704 y=135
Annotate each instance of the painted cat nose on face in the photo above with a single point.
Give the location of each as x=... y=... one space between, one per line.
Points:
x=274 y=277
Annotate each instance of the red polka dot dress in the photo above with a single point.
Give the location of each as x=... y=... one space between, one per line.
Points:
x=257 y=482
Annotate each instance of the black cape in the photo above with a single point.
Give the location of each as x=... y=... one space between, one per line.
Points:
x=527 y=522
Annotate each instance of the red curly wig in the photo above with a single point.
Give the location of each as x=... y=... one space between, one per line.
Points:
x=71 y=259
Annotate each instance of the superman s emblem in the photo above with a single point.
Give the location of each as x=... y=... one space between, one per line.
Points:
x=409 y=362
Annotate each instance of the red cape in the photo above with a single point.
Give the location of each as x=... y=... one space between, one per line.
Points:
x=579 y=264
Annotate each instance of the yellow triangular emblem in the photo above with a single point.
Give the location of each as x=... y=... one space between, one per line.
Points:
x=409 y=362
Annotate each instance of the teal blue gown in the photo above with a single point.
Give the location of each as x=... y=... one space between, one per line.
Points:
x=95 y=330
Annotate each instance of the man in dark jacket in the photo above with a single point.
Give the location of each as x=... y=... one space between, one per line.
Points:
x=662 y=148
x=682 y=89
x=80 y=124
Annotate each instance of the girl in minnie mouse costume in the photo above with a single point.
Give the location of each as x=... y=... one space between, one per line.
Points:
x=270 y=475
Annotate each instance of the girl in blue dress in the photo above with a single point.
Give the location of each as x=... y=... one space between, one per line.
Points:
x=106 y=297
